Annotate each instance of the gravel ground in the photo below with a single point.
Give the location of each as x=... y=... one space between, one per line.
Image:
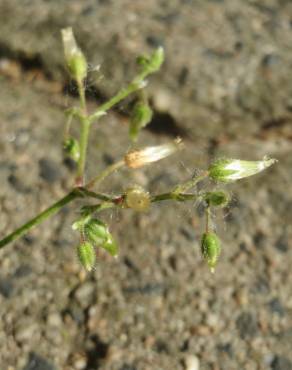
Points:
x=156 y=307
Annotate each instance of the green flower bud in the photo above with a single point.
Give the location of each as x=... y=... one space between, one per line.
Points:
x=152 y=63
x=137 y=198
x=96 y=231
x=74 y=57
x=156 y=60
x=229 y=170
x=110 y=246
x=86 y=255
x=217 y=198
x=71 y=148
x=210 y=248
x=141 y=116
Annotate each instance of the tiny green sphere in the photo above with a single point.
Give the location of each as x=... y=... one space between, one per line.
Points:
x=210 y=248
x=86 y=255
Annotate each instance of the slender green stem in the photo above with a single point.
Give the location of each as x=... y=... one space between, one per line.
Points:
x=181 y=188
x=109 y=170
x=81 y=91
x=133 y=86
x=88 y=210
x=81 y=192
x=85 y=128
x=40 y=218
x=84 y=135
x=91 y=194
x=181 y=197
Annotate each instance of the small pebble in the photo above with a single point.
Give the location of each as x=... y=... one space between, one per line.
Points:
x=36 y=362
x=49 y=170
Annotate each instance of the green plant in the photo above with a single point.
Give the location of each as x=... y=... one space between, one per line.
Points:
x=93 y=232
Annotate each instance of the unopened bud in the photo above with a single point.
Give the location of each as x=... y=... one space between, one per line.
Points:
x=153 y=62
x=138 y=199
x=141 y=116
x=74 y=57
x=86 y=255
x=140 y=158
x=210 y=248
x=229 y=170
x=110 y=246
x=71 y=148
x=217 y=198
x=96 y=231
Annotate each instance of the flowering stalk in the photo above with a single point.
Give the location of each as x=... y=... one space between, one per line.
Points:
x=94 y=233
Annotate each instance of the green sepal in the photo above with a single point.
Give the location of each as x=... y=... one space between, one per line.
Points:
x=72 y=148
x=210 y=248
x=152 y=63
x=96 y=231
x=217 y=171
x=141 y=116
x=86 y=255
x=77 y=66
x=216 y=198
x=111 y=246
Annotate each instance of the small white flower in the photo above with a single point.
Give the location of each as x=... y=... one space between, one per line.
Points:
x=140 y=158
x=229 y=170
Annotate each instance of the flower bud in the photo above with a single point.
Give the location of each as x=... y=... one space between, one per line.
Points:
x=96 y=231
x=74 y=57
x=142 y=157
x=86 y=255
x=110 y=246
x=138 y=199
x=217 y=198
x=229 y=170
x=153 y=62
x=141 y=116
x=210 y=248
x=71 y=148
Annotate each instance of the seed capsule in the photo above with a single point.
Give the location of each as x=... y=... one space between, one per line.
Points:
x=138 y=199
x=210 y=248
x=86 y=255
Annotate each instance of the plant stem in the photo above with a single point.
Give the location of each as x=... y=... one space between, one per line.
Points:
x=99 y=178
x=107 y=202
x=85 y=127
x=190 y=184
x=133 y=86
x=40 y=218
x=84 y=134
x=181 y=197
